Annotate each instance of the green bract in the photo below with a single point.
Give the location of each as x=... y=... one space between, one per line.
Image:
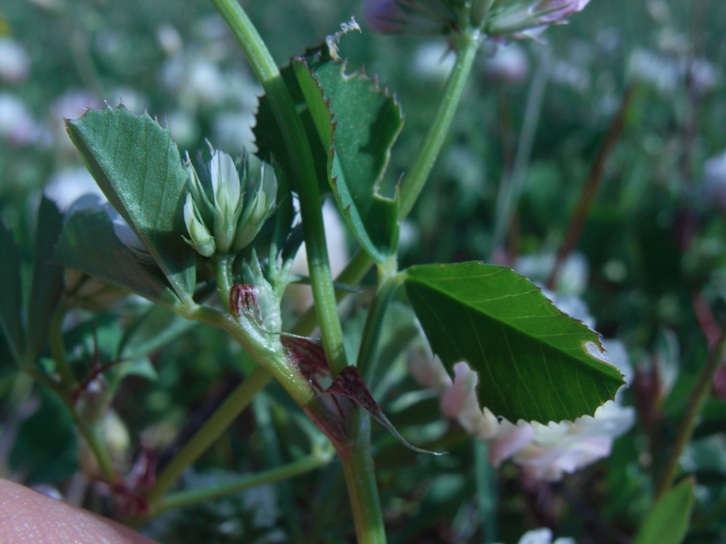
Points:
x=225 y=211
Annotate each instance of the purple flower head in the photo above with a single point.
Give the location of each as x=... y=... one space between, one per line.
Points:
x=529 y=19
x=410 y=16
x=384 y=16
x=551 y=11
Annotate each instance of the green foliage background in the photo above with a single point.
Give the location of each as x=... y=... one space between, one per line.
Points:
x=642 y=280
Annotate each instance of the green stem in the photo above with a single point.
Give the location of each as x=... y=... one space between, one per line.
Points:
x=92 y=432
x=94 y=435
x=193 y=496
x=237 y=401
x=209 y=432
x=685 y=430
x=423 y=162
x=388 y=285
x=353 y=273
x=223 y=275
x=433 y=141
x=58 y=350
x=486 y=490
x=511 y=188
x=360 y=479
x=274 y=458
x=306 y=183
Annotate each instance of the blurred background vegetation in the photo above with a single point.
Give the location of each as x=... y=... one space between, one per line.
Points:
x=649 y=260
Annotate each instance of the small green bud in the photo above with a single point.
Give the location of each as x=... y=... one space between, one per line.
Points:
x=227 y=199
x=226 y=210
x=200 y=238
x=261 y=194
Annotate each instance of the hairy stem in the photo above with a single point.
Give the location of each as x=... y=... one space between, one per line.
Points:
x=306 y=182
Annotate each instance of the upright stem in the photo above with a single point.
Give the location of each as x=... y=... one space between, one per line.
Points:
x=426 y=155
x=360 y=478
x=387 y=287
x=511 y=188
x=699 y=394
x=433 y=140
x=306 y=182
x=68 y=379
x=486 y=490
x=91 y=431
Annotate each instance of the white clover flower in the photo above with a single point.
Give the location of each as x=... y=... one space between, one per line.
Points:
x=66 y=187
x=509 y=64
x=520 y=18
x=543 y=536
x=126 y=235
x=17 y=125
x=434 y=60
x=226 y=191
x=14 y=61
x=562 y=448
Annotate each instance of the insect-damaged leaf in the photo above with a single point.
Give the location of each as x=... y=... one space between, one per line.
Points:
x=534 y=362
x=358 y=124
x=351 y=125
x=137 y=166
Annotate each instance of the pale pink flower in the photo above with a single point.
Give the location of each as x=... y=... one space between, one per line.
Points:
x=545 y=452
x=509 y=441
x=562 y=448
x=552 y=11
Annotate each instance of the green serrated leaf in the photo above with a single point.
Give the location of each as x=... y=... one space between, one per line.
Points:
x=669 y=519
x=358 y=124
x=534 y=362
x=11 y=294
x=137 y=166
x=47 y=277
x=271 y=141
x=88 y=243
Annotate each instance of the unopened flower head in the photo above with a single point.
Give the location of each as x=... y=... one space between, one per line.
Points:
x=227 y=205
x=412 y=16
x=518 y=18
x=528 y=18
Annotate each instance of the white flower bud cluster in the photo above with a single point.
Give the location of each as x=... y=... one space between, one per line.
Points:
x=225 y=213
